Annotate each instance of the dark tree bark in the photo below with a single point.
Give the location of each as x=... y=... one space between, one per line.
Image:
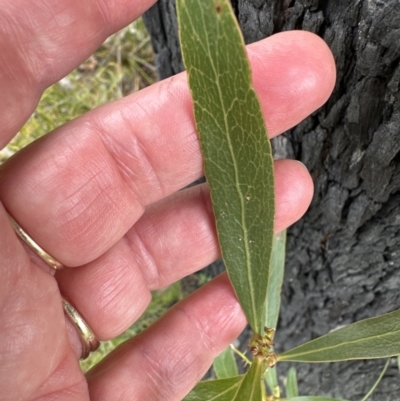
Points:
x=343 y=257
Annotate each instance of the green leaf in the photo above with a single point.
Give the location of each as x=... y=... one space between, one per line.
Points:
x=274 y=284
x=215 y=390
x=310 y=398
x=246 y=387
x=378 y=337
x=273 y=299
x=251 y=389
x=225 y=364
x=271 y=377
x=276 y=272
x=292 y=389
x=237 y=154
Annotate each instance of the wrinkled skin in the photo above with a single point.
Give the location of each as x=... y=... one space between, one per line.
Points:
x=101 y=195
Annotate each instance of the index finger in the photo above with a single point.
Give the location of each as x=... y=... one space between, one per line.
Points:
x=42 y=41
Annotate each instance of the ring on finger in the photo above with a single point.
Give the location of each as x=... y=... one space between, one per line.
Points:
x=89 y=341
x=47 y=258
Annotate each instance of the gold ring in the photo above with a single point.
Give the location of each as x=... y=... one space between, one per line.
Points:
x=55 y=264
x=89 y=342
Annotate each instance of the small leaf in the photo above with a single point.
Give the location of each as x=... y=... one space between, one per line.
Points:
x=225 y=364
x=378 y=337
x=398 y=362
x=273 y=299
x=237 y=154
x=292 y=389
x=246 y=387
x=215 y=390
x=271 y=377
x=274 y=283
x=310 y=398
x=251 y=389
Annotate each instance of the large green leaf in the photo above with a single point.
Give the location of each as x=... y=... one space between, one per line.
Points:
x=237 y=154
x=378 y=337
x=239 y=388
x=276 y=272
x=225 y=364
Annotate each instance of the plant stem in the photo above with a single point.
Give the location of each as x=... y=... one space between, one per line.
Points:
x=377 y=382
x=241 y=354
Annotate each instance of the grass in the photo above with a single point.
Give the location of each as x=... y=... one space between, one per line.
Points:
x=122 y=65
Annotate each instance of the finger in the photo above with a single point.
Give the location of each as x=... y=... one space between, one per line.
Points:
x=176 y=351
x=19 y=282
x=81 y=189
x=53 y=37
x=32 y=335
x=305 y=87
x=174 y=238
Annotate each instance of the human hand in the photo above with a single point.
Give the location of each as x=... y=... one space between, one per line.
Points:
x=100 y=194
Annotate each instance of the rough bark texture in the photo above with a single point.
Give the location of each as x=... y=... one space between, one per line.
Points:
x=343 y=257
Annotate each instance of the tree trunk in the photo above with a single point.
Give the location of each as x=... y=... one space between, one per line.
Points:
x=343 y=257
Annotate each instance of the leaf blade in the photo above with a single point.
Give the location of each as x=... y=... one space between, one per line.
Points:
x=245 y=387
x=236 y=150
x=276 y=273
x=251 y=388
x=377 y=337
x=225 y=364
x=215 y=390
x=292 y=390
x=271 y=378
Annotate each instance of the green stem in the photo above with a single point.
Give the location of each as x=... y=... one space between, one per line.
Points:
x=241 y=354
x=377 y=382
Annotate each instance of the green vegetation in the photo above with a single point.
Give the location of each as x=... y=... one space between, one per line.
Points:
x=122 y=65
x=236 y=150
